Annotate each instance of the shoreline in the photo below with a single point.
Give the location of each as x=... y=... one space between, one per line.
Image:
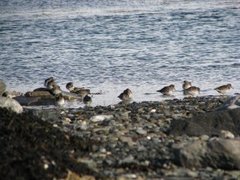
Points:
x=145 y=92
x=146 y=140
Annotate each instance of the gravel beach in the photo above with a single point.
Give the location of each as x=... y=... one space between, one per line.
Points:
x=171 y=139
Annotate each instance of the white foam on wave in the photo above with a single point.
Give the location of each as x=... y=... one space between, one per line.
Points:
x=74 y=13
x=110 y=8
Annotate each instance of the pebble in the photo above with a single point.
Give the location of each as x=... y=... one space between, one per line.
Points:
x=98 y=118
x=134 y=136
x=226 y=134
x=141 y=131
x=204 y=137
x=128 y=159
x=67 y=121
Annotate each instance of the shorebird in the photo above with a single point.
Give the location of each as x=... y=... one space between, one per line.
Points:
x=56 y=90
x=186 y=85
x=224 y=88
x=167 y=90
x=126 y=95
x=49 y=84
x=192 y=91
x=80 y=91
x=59 y=99
x=48 y=80
x=87 y=100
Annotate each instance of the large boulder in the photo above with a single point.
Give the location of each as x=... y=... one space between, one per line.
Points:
x=210 y=123
x=216 y=153
x=2 y=87
x=10 y=104
x=34 y=149
x=191 y=154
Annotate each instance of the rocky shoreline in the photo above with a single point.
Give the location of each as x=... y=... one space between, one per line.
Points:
x=171 y=139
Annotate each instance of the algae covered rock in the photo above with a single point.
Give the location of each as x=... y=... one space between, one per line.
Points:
x=210 y=123
x=35 y=149
x=216 y=153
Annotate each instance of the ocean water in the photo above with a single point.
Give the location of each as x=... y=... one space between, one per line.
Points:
x=111 y=45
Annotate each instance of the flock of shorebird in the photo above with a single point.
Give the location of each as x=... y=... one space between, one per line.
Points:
x=54 y=89
x=126 y=95
x=84 y=94
x=190 y=90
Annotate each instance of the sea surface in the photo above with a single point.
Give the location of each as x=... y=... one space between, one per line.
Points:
x=111 y=45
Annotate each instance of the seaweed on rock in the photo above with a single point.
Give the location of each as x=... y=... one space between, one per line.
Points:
x=34 y=149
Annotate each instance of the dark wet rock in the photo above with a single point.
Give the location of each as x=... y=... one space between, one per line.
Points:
x=46 y=114
x=210 y=123
x=34 y=149
x=216 y=153
x=114 y=142
x=2 y=87
x=224 y=153
x=190 y=154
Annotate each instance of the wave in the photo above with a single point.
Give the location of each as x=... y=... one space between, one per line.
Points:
x=55 y=8
x=200 y=66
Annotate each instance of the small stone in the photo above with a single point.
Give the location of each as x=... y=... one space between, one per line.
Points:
x=84 y=125
x=120 y=171
x=53 y=163
x=204 y=137
x=45 y=166
x=149 y=137
x=141 y=148
x=98 y=118
x=146 y=116
x=153 y=110
x=125 y=115
x=226 y=134
x=128 y=140
x=103 y=150
x=128 y=159
x=89 y=162
x=209 y=168
x=141 y=131
x=73 y=176
x=55 y=125
x=67 y=121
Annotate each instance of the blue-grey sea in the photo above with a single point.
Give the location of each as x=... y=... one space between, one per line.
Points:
x=111 y=45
